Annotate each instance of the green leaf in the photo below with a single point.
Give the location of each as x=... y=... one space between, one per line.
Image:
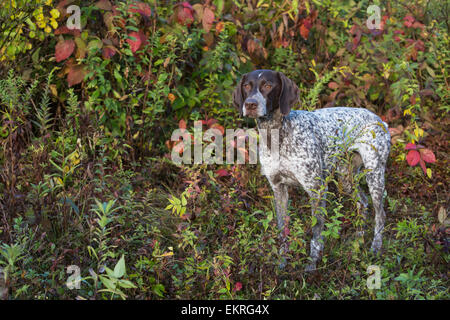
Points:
x=119 y=269
x=108 y=283
x=126 y=284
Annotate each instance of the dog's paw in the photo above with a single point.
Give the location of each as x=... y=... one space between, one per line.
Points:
x=282 y=263
x=376 y=247
x=311 y=267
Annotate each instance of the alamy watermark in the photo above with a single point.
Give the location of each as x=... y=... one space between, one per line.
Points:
x=74 y=21
x=208 y=147
x=374 y=278
x=74 y=280
x=374 y=20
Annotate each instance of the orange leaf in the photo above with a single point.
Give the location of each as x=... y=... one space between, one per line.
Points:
x=304 y=31
x=76 y=75
x=219 y=27
x=218 y=127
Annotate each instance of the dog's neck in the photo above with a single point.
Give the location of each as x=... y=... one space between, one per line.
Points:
x=272 y=121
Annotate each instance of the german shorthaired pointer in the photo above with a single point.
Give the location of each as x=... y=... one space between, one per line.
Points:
x=307 y=146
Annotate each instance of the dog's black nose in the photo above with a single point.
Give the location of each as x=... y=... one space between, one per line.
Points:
x=251 y=104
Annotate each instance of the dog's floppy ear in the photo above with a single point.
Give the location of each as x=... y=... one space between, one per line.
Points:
x=289 y=94
x=238 y=97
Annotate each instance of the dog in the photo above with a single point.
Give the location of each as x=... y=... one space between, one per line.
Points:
x=306 y=150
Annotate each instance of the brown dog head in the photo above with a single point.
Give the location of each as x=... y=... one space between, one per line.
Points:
x=261 y=92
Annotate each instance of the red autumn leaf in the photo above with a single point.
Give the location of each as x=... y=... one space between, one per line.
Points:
x=419 y=45
x=356 y=32
x=413 y=157
x=210 y=122
x=222 y=173
x=395 y=132
x=108 y=52
x=427 y=155
x=383 y=22
x=64 y=49
x=182 y=124
x=139 y=39
x=140 y=7
x=208 y=19
x=333 y=95
x=304 y=31
x=185 y=13
x=408 y=21
x=76 y=75
x=65 y=30
x=423 y=166
x=333 y=85
x=418 y=25
x=410 y=146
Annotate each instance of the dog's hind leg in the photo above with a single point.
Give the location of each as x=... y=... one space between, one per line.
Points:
x=375 y=181
x=351 y=187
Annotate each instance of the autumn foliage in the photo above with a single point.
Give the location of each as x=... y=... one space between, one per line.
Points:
x=86 y=176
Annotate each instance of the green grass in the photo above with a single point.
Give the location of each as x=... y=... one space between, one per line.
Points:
x=227 y=236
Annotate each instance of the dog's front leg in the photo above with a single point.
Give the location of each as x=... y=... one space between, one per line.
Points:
x=281 y=196
x=317 y=241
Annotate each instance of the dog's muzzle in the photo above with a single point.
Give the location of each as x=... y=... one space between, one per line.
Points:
x=255 y=106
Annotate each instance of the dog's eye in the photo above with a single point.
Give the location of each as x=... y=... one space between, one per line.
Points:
x=267 y=86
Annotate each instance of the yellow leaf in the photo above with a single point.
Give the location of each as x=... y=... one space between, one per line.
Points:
x=429 y=173
x=167 y=254
x=53 y=23
x=54 y=13
x=53 y=90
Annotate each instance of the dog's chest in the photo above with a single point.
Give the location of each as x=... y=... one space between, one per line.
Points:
x=282 y=165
